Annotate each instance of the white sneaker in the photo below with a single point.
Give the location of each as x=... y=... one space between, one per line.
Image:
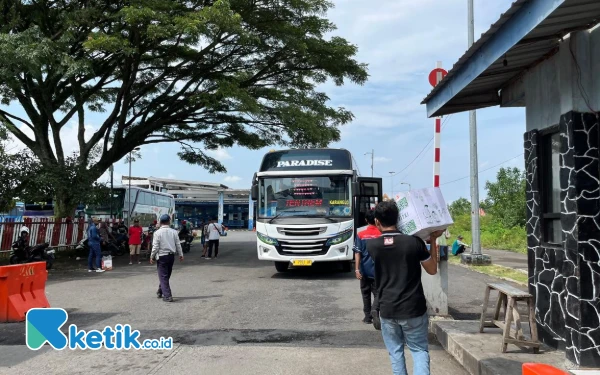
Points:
x=207 y=258
x=90 y=270
x=131 y=263
x=139 y=262
x=100 y=271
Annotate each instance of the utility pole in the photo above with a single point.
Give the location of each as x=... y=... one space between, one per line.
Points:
x=392 y=185
x=477 y=257
x=372 y=153
x=129 y=193
x=112 y=169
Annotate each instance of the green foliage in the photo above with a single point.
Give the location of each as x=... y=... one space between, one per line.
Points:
x=503 y=226
x=204 y=74
x=506 y=197
x=493 y=234
x=460 y=207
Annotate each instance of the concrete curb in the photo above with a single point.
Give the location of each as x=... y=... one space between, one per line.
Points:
x=479 y=353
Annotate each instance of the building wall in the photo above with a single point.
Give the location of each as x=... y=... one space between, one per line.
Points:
x=566 y=81
x=595 y=65
x=566 y=279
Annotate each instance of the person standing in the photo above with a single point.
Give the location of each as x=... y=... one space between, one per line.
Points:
x=135 y=241
x=202 y=238
x=402 y=306
x=165 y=244
x=215 y=231
x=442 y=242
x=94 y=240
x=365 y=268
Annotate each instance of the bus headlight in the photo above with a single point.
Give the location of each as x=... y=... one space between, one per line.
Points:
x=344 y=236
x=266 y=239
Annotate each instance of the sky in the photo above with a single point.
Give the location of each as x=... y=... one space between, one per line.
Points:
x=401 y=41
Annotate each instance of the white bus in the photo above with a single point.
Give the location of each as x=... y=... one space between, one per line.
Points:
x=146 y=205
x=309 y=204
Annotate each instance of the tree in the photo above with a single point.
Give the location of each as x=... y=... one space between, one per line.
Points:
x=17 y=171
x=460 y=207
x=506 y=197
x=202 y=73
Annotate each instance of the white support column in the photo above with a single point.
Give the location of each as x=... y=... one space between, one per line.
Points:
x=221 y=204
x=250 y=212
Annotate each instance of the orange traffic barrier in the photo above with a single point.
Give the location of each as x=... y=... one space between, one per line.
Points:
x=22 y=287
x=541 y=369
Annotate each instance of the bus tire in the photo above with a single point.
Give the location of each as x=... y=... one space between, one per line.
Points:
x=347 y=266
x=281 y=266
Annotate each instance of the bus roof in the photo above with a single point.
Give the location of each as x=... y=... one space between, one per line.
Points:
x=328 y=159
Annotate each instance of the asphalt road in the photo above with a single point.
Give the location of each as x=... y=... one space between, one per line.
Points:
x=232 y=315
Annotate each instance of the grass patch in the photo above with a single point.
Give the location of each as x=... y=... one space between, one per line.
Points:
x=494 y=270
x=493 y=234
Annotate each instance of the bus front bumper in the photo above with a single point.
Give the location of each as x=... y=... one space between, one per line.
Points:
x=336 y=253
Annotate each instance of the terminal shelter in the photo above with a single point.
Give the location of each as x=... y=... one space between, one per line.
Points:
x=544 y=55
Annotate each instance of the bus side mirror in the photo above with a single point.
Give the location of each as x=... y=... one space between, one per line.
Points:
x=254 y=192
x=355 y=189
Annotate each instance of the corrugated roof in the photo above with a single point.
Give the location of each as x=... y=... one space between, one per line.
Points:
x=540 y=43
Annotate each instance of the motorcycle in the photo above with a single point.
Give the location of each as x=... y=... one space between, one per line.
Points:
x=186 y=244
x=107 y=248
x=37 y=253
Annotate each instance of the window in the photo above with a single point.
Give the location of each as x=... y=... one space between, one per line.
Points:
x=550 y=187
x=305 y=196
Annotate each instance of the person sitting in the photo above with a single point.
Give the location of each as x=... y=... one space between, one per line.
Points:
x=458 y=247
x=184 y=232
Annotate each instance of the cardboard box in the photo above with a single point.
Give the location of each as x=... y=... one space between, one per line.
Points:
x=422 y=212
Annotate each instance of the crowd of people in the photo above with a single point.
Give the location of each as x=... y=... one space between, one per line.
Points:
x=163 y=241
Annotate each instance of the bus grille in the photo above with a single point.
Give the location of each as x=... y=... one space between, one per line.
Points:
x=302 y=247
x=314 y=231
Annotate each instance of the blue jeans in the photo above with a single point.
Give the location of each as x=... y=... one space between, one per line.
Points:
x=96 y=254
x=413 y=332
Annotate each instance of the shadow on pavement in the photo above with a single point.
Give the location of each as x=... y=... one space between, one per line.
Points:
x=319 y=271
x=279 y=337
x=175 y=299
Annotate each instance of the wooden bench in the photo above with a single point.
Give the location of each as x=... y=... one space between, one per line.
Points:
x=508 y=297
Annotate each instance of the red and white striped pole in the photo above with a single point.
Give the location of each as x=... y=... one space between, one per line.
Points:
x=435 y=77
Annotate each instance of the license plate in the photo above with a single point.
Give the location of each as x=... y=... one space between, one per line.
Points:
x=302 y=262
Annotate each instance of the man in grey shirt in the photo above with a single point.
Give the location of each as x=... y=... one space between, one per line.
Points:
x=165 y=244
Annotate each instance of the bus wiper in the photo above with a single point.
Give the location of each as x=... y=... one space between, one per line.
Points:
x=283 y=212
x=321 y=217
x=275 y=217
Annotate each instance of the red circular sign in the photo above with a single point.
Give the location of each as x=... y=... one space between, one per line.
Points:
x=433 y=76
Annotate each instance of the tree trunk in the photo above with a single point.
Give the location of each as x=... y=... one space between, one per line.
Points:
x=64 y=205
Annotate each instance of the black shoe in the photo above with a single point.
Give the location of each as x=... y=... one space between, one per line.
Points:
x=376 y=320
x=159 y=294
x=202 y=256
x=367 y=320
x=168 y=299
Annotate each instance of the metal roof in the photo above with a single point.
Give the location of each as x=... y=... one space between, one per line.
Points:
x=528 y=33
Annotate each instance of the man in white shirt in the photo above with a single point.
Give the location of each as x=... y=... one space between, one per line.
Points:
x=165 y=244
x=215 y=230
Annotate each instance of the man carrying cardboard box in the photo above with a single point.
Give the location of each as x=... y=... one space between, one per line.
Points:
x=402 y=306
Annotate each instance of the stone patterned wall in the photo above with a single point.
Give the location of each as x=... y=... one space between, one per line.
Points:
x=580 y=181
x=566 y=280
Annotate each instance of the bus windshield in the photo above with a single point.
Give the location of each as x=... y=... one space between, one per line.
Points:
x=327 y=196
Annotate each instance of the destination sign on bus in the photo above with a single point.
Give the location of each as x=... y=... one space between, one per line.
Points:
x=304 y=203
